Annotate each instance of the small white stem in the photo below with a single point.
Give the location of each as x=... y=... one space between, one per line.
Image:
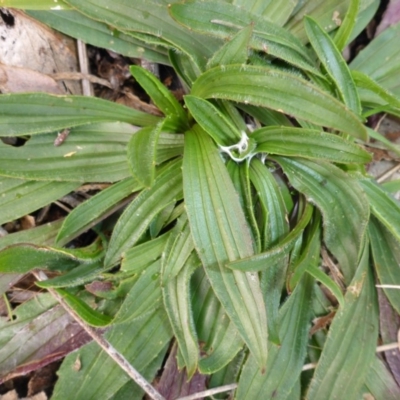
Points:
x=210 y=392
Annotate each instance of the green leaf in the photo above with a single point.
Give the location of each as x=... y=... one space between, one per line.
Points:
x=221 y=234
x=78 y=276
x=327 y=282
x=41 y=235
x=239 y=173
x=144 y=297
x=235 y=51
x=22 y=258
x=342 y=367
x=381 y=382
x=93 y=210
x=366 y=82
x=328 y=13
x=274 y=227
x=341 y=201
x=142 y=153
x=213 y=121
x=150 y=18
x=86 y=313
x=167 y=188
x=19 y=197
x=30 y=113
x=95 y=33
x=177 y=304
x=308 y=143
x=177 y=250
x=223 y=20
x=306 y=101
x=93 y=153
x=276 y=253
x=380 y=60
x=35 y=4
x=161 y=96
x=221 y=340
x=140 y=256
x=383 y=206
x=141 y=344
x=386 y=258
x=343 y=34
x=149 y=147
x=285 y=362
x=334 y=64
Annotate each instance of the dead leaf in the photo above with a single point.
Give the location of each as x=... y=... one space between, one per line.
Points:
x=390 y=17
x=28 y=44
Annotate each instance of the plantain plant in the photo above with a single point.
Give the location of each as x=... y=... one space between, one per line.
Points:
x=231 y=222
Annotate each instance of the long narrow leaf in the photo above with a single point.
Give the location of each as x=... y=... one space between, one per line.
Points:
x=137 y=216
x=342 y=367
x=221 y=234
x=285 y=361
x=334 y=64
x=306 y=101
x=308 y=143
x=342 y=203
x=26 y=114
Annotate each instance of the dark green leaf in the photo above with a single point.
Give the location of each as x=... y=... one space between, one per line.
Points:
x=144 y=297
x=138 y=215
x=342 y=367
x=221 y=340
x=177 y=250
x=93 y=153
x=276 y=253
x=177 y=304
x=152 y=19
x=93 y=210
x=161 y=96
x=213 y=121
x=140 y=343
x=308 y=143
x=138 y=257
x=86 y=313
x=383 y=206
x=235 y=51
x=29 y=113
x=334 y=64
x=223 y=20
x=306 y=101
x=99 y=34
x=386 y=258
x=221 y=234
x=19 y=197
x=342 y=202
x=285 y=362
